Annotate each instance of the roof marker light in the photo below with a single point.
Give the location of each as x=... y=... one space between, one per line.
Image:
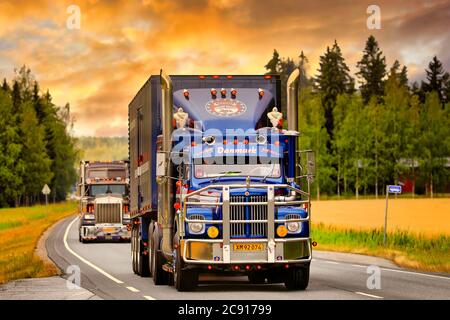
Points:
x=267 y=77
x=229 y=77
x=213 y=93
x=223 y=92
x=216 y=77
x=186 y=93
x=201 y=77
x=233 y=93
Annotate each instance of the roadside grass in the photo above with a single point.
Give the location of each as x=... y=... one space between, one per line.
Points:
x=20 y=230
x=406 y=249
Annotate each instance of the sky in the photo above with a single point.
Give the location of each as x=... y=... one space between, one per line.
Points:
x=100 y=66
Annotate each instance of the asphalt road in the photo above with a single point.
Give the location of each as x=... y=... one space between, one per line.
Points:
x=106 y=271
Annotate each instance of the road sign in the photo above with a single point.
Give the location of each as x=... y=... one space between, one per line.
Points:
x=389 y=189
x=46 y=191
x=394 y=189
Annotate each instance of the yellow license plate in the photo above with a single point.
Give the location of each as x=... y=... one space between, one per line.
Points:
x=248 y=246
x=109 y=230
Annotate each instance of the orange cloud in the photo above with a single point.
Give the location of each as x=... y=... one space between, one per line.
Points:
x=100 y=67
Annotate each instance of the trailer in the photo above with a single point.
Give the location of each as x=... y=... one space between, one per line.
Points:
x=103 y=208
x=217 y=182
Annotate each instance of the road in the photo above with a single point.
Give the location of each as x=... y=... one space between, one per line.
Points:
x=106 y=271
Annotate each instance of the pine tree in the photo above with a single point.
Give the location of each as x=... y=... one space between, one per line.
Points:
x=11 y=166
x=34 y=154
x=5 y=85
x=302 y=65
x=333 y=79
x=273 y=66
x=436 y=76
x=372 y=71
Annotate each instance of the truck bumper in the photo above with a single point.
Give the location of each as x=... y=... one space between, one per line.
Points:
x=254 y=251
x=115 y=232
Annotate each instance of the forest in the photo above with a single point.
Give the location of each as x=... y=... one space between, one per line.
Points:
x=36 y=145
x=374 y=128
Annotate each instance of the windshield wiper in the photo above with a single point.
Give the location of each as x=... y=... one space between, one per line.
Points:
x=269 y=174
x=225 y=173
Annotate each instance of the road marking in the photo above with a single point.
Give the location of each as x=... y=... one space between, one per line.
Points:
x=417 y=273
x=149 y=298
x=358 y=265
x=133 y=289
x=106 y=274
x=331 y=262
x=368 y=295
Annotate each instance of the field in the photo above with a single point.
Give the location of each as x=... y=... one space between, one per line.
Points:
x=429 y=217
x=418 y=230
x=20 y=229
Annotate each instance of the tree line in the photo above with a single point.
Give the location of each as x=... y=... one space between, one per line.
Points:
x=383 y=131
x=36 y=147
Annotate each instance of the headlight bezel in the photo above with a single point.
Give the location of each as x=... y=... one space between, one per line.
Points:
x=202 y=229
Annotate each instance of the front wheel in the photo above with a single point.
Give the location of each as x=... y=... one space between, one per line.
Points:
x=297 y=278
x=184 y=279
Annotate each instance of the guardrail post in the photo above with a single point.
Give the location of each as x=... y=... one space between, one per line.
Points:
x=226 y=224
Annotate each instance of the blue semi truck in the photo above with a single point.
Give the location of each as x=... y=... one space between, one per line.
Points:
x=217 y=183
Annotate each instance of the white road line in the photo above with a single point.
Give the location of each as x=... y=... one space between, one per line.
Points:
x=83 y=259
x=417 y=273
x=331 y=262
x=106 y=274
x=368 y=295
x=358 y=265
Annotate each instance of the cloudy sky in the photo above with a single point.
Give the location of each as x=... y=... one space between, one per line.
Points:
x=99 y=68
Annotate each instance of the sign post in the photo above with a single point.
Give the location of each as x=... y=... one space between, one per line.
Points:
x=389 y=189
x=46 y=191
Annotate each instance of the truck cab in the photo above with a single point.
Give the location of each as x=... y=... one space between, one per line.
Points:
x=229 y=193
x=104 y=201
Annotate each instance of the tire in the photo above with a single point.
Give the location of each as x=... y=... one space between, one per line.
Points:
x=142 y=262
x=257 y=277
x=297 y=278
x=184 y=279
x=133 y=248
x=150 y=248
x=160 y=277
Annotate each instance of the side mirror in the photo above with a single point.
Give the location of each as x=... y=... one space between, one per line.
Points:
x=307 y=162
x=161 y=165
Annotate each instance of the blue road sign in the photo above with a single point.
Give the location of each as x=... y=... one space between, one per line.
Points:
x=395 y=189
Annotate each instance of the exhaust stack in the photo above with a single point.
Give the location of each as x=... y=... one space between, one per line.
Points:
x=292 y=100
x=166 y=187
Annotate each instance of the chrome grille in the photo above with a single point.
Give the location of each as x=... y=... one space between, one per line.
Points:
x=258 y=212
x=255 y=212
x=292 y=216
x=237 y=213
x=107 y=213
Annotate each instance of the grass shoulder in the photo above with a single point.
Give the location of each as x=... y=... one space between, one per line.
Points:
x=20 y=230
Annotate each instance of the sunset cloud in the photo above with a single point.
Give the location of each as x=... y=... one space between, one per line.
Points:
x=100 y=67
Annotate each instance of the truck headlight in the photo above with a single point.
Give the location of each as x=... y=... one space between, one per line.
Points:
x=126 y=216
x=196 y=227
x=293 y=227
x=89 y=216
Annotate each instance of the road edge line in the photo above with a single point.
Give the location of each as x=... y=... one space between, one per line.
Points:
x=66 y=245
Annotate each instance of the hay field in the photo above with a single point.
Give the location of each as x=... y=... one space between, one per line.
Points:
x=20 y=230
x=430 y=217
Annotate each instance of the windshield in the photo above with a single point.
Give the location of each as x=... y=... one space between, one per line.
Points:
x=107 y=189
x=243 y=170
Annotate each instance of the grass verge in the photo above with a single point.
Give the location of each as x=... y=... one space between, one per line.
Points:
x=415 y=251
x=20 y=230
